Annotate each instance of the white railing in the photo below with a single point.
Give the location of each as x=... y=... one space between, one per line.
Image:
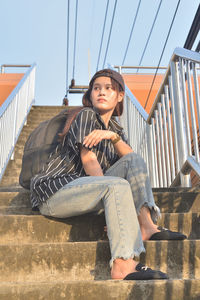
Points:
x=168 y=139
x=13 y=115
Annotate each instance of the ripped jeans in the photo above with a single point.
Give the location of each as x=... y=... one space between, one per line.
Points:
x=122 y=192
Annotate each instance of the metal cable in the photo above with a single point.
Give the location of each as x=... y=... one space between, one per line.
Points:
x=73 y=73
x=161 y=55
x=67 y=59
x=102 y=34
x=134 y=21
x=150 y=33
x=110 y=33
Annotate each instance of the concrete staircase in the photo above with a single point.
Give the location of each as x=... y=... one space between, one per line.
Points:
x=46 y=258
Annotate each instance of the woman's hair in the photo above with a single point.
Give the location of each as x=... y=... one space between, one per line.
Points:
x=87 y=102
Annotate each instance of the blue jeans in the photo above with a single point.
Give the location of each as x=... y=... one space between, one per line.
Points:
x=122 y=192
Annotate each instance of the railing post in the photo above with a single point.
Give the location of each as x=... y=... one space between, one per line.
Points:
x=151 y=155
x=181 y=131
x=15 y=125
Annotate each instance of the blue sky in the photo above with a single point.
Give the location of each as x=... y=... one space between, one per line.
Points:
x=36 y=31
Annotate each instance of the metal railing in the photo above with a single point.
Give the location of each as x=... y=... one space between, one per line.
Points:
x=13 y=114
x=168 y=139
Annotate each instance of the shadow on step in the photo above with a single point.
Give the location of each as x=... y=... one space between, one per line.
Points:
x=167 y=290
x=179 y=259
x=178 y=202
x=88 y=227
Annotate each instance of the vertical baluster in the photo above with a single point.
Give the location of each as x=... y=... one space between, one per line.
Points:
x=135 y=141
x=141 y=135
x=181 y=134
x=136 y=129
x=27 y=98
x=155 y=152
x=162 y=146
x=184 y=95
x=196 y=90
x=166 y=141
x=170 y=133
x=147 y=147
x=193 y=119
x=145 y=143
x=159 y=150
x=132 y=128
x=177 y=165
x=150 y=153
x=128 y=117
x=15 y=122
x=130 y=121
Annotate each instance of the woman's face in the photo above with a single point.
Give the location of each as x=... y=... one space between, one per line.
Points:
x=104 y=98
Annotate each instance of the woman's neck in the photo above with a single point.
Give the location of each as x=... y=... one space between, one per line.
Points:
x=106 y=118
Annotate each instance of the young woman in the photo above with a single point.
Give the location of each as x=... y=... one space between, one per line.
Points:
x=93 y=169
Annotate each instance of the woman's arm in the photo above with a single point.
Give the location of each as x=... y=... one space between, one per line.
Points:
x=90 y=163
x=122 y=148
x=97 y=135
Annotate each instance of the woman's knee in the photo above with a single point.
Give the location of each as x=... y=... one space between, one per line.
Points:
x=120 y=186
x=118 y=181
x=137 y=159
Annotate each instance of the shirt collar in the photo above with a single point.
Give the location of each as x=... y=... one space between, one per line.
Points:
x=113 y=124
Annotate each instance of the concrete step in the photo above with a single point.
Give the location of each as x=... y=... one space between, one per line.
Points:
x=9 y=181
x=188 y=289
x=38 y=117
x=15 y=164
x=49 y=108
x=35 y=228
x=168 y=201
x=14 y=172
x=90 y=260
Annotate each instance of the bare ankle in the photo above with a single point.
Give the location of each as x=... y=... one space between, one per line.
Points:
x=122 y=267
x=147 y=226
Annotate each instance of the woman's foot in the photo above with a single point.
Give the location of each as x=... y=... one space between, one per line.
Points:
x=121 y=268
x=150 y=231
x=145 y=273
x=166 y=234
x=131 y=270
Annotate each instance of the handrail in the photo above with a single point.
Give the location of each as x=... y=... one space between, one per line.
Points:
x=178 y=52
x=139 y=67
x=7 y=102
x=189 y=165
x=168 y=136
x=13 y=66
x=13 y=115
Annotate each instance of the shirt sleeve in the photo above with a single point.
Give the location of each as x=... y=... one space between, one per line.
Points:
x=83 y=124
x=124 y=137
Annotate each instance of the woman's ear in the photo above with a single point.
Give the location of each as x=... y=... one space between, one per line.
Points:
x=120 y=96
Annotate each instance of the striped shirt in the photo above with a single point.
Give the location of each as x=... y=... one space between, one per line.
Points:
x=64 y=164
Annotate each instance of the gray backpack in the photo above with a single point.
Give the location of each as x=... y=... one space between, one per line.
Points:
x=42 y=141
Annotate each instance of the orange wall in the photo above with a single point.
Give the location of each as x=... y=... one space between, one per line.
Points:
x=140 y=84
x=8 y=82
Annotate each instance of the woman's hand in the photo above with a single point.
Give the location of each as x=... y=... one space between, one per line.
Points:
x=97 y=136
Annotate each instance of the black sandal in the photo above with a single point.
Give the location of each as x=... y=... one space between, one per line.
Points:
x=166 y=234
x=145 y=273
